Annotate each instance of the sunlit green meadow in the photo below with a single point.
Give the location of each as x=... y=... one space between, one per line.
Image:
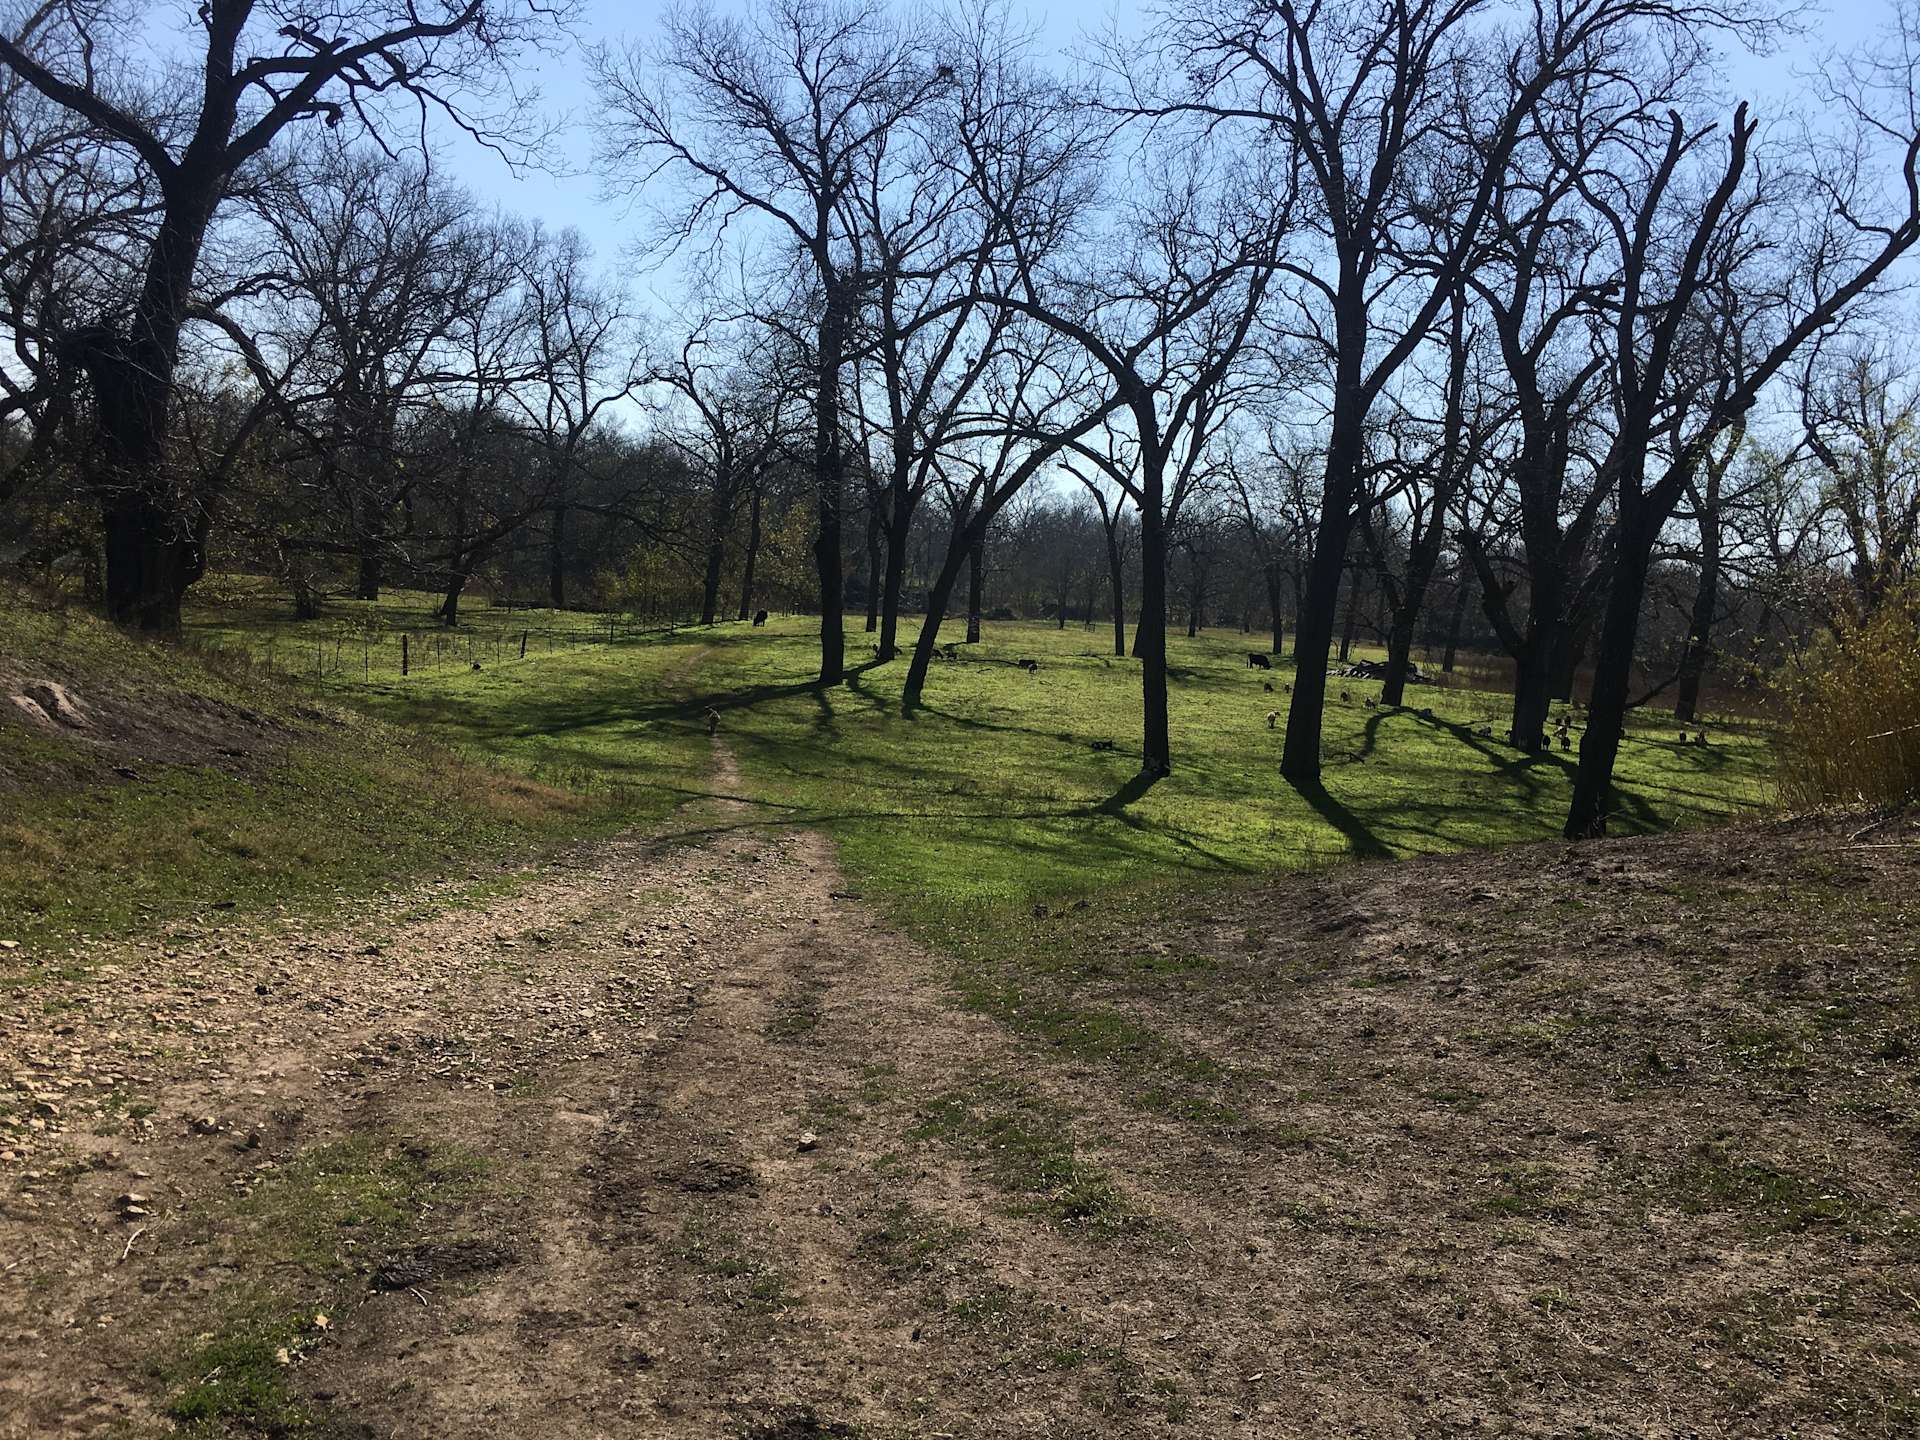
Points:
x=993 y=789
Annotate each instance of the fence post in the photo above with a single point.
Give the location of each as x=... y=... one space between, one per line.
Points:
x=523 y=644
x=403 y=654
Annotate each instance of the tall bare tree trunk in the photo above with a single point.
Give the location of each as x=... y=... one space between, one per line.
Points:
x=1454 y=624
x=898 y=528
x=976 y=580
x=1150 y=635
x=1612 y=674
x=155 y=544
x=719 y=514
x=1352 y=617
x=753 y=554
x=873 y=565
x=829 y=480
x=1312 y=643
x=557 y=556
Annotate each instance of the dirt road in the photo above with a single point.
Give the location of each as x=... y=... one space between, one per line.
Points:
x=1606 y=1140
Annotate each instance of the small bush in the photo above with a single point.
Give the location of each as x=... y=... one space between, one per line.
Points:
x=1852 y=702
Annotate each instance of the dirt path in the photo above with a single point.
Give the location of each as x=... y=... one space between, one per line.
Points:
x=656 y=1044
x=1608 y=1141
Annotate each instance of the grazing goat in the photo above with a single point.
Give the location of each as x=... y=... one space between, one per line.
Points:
x=1267 y=685
x=713 y=720
x=1103 y=744
x=759 y=617
x=1257 y=661
x=1345 y=697
x=1032 y=667
x=1273 y=718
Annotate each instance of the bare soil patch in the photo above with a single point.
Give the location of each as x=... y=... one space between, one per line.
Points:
x=1614 y=1140
x=100 y=728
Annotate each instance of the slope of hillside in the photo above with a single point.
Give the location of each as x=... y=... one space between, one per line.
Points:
x=145 y=783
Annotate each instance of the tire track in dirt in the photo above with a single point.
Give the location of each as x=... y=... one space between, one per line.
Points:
x=751 y=1240
x=727 y=1198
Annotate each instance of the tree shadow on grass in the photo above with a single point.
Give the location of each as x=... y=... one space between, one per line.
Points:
x=1116 y=803
x=1360 y=840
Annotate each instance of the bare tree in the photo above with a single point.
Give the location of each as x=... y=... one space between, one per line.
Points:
x=587 y=363
x=1431 y=481
x=1404 y=117
x=1860 y=420
x=736 y=402
x=1165 y=320
x=777 y=115
x=262 y=72
x=1699 y=261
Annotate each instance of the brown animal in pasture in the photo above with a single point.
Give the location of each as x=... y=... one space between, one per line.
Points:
x=1273 y=718
x=713 y=720
x=1257 y=661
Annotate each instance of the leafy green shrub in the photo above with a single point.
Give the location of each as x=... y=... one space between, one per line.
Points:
x=1852 y=705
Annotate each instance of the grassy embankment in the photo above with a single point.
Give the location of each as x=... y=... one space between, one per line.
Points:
x=202 y=783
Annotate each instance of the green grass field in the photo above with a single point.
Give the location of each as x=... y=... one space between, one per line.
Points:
x=990 y=797
x=992 y=790
x=206 y=785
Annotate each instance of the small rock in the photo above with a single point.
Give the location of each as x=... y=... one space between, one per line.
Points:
x=203 y=1125
x=808 y=1141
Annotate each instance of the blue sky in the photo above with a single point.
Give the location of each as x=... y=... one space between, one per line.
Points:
x=570 y=195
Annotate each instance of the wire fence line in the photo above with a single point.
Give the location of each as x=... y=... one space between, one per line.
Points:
x=371 y=648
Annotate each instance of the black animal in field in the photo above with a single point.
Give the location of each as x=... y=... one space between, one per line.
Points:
x=1257 y=661
x=759 y=617
x=1032 y=667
